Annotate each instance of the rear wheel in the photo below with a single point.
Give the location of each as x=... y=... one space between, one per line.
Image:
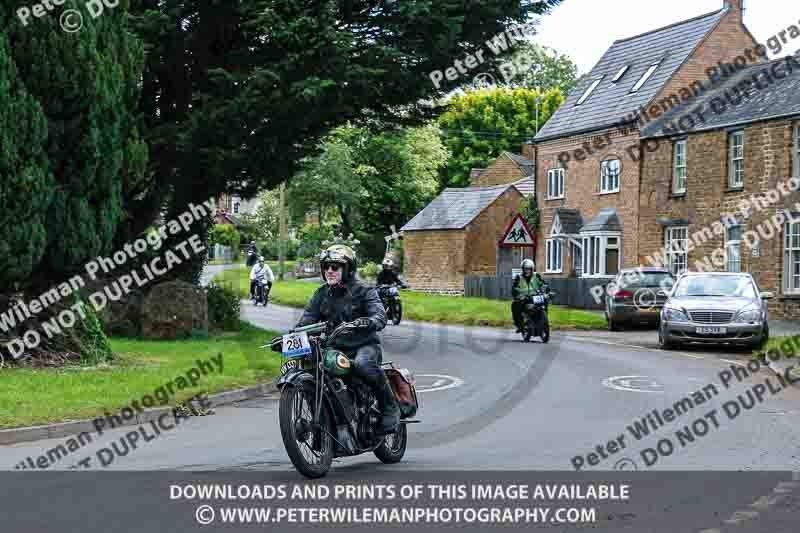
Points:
x=397 y=313
x=310 y=449
x=393 y=447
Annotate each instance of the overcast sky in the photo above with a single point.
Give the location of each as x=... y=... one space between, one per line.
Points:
x=585 y=29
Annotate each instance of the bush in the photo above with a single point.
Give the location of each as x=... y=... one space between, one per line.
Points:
x=224 y=308
x=271 y=249
x=369 y=271
x=95 y=347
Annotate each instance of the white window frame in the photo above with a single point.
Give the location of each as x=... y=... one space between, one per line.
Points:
x=796 y=151
x=733 y=244
x=595 y=247
x=553 y=256
x=679 y=166
x=791 y=252
x=590 y=90
x=555 y=177
x=645 y=77
x=736 y=155
x=672 y=252
x=609 y=183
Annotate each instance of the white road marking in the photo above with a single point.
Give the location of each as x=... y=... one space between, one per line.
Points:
x=625 y=383
x=734 y=362
x=441 y=378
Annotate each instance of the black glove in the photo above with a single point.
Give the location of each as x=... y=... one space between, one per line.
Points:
x=362 y=323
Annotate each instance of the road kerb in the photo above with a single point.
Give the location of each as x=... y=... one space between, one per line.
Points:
x=65 y=429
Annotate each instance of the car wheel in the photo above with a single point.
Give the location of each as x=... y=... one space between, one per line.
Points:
x=662 y=342
x=612 y=325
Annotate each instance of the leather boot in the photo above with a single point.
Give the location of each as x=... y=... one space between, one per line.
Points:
x=390 y=411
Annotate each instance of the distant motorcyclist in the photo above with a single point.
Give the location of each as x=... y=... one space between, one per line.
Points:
x=387 y=275
x=526 y=284
x=252 y=254
x=345 y=298
x=261 y=271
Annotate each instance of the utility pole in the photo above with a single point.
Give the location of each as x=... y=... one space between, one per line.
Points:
x=284 y=236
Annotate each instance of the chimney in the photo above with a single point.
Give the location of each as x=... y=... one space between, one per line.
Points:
x=736 y=6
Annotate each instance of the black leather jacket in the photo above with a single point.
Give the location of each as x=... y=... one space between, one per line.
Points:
x=345 y=303
x=388 y=277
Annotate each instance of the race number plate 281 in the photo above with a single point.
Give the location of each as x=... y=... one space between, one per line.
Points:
x=296 y=345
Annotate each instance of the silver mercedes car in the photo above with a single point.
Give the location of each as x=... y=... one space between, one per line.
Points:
x=715 y=307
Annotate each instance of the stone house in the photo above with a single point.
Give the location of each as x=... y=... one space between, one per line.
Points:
x=588 y=155
x=508 y=168
x=458 y=235
x=720 y=192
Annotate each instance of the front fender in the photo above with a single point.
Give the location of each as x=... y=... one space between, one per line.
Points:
x=295 y=378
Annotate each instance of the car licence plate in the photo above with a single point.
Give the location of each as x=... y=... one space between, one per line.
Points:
x=711 y=331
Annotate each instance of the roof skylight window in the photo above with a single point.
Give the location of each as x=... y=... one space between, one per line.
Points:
x=645 y=77
x=588 y=92
x=621 y=73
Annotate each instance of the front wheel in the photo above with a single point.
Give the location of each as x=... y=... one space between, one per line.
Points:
x=546 y=331
x=393 y=447
x=310 y=449
x=397 y=313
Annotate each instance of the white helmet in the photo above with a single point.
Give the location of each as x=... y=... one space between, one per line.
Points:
x=387 y=263
x=527 y=263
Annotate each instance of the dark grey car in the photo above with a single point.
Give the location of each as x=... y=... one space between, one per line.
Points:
x=636 y=296
x=715 y=307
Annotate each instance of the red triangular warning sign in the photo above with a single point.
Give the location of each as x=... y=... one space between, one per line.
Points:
x=517 y=234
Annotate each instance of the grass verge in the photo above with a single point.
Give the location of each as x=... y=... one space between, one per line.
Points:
x=427 y=307
x=42 y=396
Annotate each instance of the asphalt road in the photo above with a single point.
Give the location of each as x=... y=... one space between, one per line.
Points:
x=492 y=402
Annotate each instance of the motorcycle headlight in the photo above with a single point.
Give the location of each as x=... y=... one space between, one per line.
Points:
x=749 y=315
x=675 y=315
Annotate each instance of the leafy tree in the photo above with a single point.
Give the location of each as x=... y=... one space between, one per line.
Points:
x=224 y=235
x=234 y=88
x=86 y=84
x=541 y=67
x=480 y=124
x=26 y=182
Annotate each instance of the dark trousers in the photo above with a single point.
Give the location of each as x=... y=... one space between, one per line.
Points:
x=516 y=311
x=367 y=365
x=253 y=288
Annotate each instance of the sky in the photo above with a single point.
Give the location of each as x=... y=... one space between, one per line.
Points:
x=585 y=29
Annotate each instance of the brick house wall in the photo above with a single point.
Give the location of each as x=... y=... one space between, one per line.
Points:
x=503 y=170
x=483 y=233
x=582 y=187
x=768 y=161
x=435 y=260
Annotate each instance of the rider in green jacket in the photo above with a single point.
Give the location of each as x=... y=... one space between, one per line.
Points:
x=525 y=285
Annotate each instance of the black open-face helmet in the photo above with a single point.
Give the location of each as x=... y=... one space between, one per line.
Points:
x=342 y=255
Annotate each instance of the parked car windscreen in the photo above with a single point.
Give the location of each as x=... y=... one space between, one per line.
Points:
x=721 y=286
x=634 y=280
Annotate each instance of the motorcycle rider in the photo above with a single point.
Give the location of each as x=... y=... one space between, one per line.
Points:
x=261 y=270
x=525 y=284
x=345 y=298
x=387 y=275
x=252 y=254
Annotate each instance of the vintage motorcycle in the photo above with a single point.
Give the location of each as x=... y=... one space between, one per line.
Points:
x=326 y=410
x=261 y=292
x=390 y=296
x=534 y=316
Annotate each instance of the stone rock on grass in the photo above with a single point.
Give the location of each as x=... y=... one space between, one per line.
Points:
x=174 y=310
